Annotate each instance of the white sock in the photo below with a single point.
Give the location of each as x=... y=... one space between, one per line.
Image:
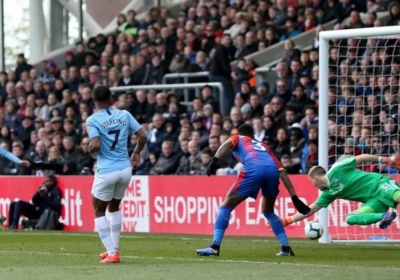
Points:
x=115 y=226
x=103 y=228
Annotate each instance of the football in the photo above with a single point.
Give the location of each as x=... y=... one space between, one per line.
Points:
x=313 y=230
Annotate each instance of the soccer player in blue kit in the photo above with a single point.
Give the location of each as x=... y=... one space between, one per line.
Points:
x=261 y=171
x=108 y=131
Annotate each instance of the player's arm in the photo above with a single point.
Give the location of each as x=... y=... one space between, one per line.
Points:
x=298 y=217
x=222 y=150
x=141 y=142
x=137 y=129
x=323 y=201
x=94 y=136
x=314 y=208
x=298 y=204
x=287 y=182
x=370 y=158
x=12 y=157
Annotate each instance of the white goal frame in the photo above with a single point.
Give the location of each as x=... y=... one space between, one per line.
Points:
x=323 y=132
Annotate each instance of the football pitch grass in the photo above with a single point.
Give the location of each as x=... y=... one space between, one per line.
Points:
x=57 y=255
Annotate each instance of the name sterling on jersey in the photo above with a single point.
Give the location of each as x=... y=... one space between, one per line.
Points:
x=113 y=121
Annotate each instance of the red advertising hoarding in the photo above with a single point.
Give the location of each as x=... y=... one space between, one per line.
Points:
x=186 y=204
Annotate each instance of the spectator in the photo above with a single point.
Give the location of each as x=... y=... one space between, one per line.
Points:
x=47 y=196
x=312 y=157
x=168 y=161
x=157 y=134
x=126 y=79
x=282 y=147
x=290 y=32
x=206 y=156
x=22 y=66
x=71 y=154
x=220 y=71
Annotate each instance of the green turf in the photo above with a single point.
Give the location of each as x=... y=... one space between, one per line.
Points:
x=45 y=255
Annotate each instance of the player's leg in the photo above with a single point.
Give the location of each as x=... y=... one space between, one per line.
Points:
x=102 y=192
x=114 y=206
x=11 y=216
x=371 y=212
x=270 y=191
x=276 y=225
x=388 y=193
x=23 y=208
x=240 y=190
x=123 y=178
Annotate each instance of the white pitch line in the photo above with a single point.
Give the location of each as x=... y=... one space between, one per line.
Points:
x=155 y=236
x=208 y=260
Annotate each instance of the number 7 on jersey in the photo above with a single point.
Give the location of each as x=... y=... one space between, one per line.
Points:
x=115 y=142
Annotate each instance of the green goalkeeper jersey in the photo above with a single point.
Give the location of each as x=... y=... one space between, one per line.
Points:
x=347 y=182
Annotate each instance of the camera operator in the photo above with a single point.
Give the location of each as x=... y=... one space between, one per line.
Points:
x=48 y=196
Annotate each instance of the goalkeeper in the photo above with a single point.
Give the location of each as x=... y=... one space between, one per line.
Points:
x=343 y=181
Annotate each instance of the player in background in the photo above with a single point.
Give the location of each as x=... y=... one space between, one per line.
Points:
x=343 y=181
x=261 y=171
x=108 y=131
x=13 y=158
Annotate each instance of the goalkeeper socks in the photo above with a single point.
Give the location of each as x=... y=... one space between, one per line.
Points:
x=103 y=228
x=115 y=228
x=277 y=228
x=364 y=218
x=221 y=224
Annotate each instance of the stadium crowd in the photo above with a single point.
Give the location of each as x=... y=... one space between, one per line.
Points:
x=43 y=111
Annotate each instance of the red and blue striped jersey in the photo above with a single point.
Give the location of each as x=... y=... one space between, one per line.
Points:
x=253 y=153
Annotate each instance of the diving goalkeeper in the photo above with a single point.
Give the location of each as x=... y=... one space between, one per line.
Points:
x=343 y=181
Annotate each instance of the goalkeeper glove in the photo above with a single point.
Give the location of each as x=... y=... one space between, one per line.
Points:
x=300 y=206
x=391 y=161
x=212 y=167
x=285 y=222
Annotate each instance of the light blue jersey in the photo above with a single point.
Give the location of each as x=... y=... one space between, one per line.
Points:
x=10 y=156
x=113 y=127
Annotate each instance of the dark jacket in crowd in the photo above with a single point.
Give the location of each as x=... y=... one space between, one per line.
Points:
x=220 y=63
x=166 y=165
x=52 y=201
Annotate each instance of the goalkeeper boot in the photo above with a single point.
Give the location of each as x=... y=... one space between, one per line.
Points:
x=286 y=252
x=387 y=219
x=212 y=251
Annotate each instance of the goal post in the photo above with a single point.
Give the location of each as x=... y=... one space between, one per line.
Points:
x=335 y=231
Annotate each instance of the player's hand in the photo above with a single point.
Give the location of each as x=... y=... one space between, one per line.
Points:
x=212 y=166
x=94 y=155
x=135 y=159
x=393 y=161
x=285 y=222
x=300 y=206
x=25 y=163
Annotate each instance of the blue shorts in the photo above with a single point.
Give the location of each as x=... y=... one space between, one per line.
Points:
x=249 y=183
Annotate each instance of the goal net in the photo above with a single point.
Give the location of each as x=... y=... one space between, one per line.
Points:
x=358 y=114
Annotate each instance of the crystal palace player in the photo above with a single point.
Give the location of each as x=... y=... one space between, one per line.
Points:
x=108 y=131
x=261 y=171
x=343 y=181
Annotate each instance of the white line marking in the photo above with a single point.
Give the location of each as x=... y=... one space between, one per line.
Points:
x=160 y=236
x=207 y=260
